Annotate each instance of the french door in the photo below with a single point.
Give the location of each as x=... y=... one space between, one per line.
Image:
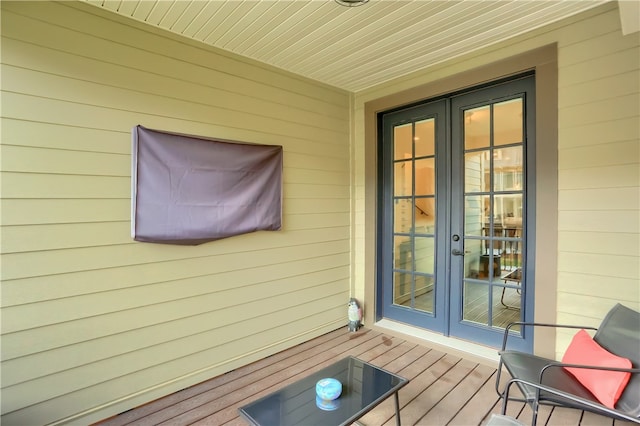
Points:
x=456 y=203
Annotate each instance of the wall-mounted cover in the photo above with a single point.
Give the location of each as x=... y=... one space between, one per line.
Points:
x=191 y=189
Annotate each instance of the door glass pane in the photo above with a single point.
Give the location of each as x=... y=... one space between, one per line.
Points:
x=425 y=215
x=475 y=300
x=476 y=169
x=507 y=302
x=425 y=254
x=477 y=127
x=425 y=137
x=402 y=178
x=507 y=169
x=402 y=215
x=424 y=246
x=507 y=122
x=424 y=293
x=472 y=252
x=402 y=288
x=425 y=196
x=508 y=211
x=402 y=142
x=475 y=214
x=402 y=252
x=425 y=176
x=512 y=253
x=491 y=305
x=490 y=260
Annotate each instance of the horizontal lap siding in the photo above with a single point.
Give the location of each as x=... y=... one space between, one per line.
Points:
x=94 y=323
x=599 y=178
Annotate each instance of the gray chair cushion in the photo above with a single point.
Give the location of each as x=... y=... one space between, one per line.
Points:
x=527 y=367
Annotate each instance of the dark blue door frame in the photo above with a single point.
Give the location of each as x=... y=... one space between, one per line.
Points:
x=451 y=277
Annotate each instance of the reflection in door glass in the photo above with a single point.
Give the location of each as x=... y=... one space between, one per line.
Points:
x=472 y=252
x=510 y=228
x=425 y=250
x=402 y=250
x=474 y=217
x=476 y=301
x=507 y=169
x=402 y=285
x=424 y=293
x=414 y=211
x=493 y=217
x=475 y=164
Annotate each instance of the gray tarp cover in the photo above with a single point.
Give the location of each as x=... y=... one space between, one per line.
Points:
x=191 y=190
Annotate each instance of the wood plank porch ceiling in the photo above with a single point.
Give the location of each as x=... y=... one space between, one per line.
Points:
x=352 y=48
x=444 y=389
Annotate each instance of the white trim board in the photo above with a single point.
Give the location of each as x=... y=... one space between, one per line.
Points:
x=483 y=354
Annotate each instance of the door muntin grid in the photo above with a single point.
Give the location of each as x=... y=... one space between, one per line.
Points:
x=494 y=213
x=414 y=215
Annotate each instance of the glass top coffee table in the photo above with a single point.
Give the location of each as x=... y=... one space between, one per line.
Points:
x=364 y=386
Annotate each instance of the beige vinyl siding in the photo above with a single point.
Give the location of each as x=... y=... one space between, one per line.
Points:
x=598 y=253
x=599 y=178
x=94 y=323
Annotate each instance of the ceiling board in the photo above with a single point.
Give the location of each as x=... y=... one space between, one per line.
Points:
x=352 y=48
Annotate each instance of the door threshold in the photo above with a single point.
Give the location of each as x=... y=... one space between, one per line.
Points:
x=485 y=355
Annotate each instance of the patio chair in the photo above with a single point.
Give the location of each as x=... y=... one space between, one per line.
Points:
x=546 y=381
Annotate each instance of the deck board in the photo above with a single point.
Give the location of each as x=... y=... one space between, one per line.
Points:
x=447 y=407
x=450 y=370
x=480 y=406
x=444 y=389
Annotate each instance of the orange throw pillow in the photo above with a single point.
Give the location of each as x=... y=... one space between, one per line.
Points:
x=606 y=386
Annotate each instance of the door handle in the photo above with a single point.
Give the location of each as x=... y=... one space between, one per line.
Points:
x=457 y=252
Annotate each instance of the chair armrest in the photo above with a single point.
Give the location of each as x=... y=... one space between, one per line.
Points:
x=584 y=366
x=539 y=324
x=596 y=407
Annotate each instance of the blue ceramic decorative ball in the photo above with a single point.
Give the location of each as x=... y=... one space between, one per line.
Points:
x=328 y=389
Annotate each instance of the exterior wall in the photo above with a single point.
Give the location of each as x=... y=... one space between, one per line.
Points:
x=598 y=148
x=94 y=323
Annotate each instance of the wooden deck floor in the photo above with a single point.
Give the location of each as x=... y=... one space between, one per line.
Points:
x=444 y=389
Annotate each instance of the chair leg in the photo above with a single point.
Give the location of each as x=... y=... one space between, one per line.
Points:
x=505 y=401
x=498 y=372
x=504 y=405
x=504 y=304
x=502 y=297
x=534 y=408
